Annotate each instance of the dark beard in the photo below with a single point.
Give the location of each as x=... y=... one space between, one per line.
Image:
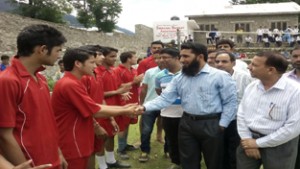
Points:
x=192 y=69
x=296 y=66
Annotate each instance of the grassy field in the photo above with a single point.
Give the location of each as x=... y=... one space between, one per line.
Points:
x=157 y=158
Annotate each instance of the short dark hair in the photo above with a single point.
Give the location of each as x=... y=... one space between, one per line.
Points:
x=225 y=41
x=75 y=54
x=296 y=48
x=170 y=51
x=108 y=50
x=196 y=48
x=38 y=35
x=126 y=55
x=275 y=60
x=158 y=43
x=4 y=57
x=60 y=62
x=231 y=55
x=93 y=48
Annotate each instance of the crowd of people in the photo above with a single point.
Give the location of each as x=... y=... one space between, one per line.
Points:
x=211 y=104
x=264 y=35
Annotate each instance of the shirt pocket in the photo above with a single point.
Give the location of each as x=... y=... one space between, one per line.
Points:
x=277 y=113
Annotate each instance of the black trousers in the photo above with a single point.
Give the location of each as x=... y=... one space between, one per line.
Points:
x=170 y=126
x=297 y=165
x=200 y=135
x=231 y=142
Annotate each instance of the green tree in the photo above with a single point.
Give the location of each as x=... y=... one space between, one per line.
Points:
x=101 y=13
x=49 y=10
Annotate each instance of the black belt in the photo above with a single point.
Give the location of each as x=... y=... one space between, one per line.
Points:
x=202 y=117
x=256 y=134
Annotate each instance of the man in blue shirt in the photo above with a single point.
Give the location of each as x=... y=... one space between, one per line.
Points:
x=5 y=62
x=209 y=100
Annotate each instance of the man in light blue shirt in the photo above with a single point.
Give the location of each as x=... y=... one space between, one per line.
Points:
x=209 y=100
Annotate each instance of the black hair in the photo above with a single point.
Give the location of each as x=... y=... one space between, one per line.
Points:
x=196 y=48
x=108 y=50
x=225 y=41
x=296 y=48
x=231 y=55
x=158 y=43
x=275 y=60
x=75 y=54
x=60 y=62
x=126 y=55
x=170 y=51
x=4 y=57
x=38 y=35
x=93 y=48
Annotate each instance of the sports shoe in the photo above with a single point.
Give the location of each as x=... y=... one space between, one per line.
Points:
x=130 y=148
x=174 y=166
x=143 y=157
x=167 y=155
x=123 y=155
x=118 y=164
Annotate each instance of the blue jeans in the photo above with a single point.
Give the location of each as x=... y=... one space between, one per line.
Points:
x=148 y=120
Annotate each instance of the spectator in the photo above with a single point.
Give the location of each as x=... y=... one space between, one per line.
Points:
x=259 y=33
x=248 y=40
x=268 y=116
x=5 y=62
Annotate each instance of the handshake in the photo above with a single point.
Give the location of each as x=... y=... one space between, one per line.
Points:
x=133 y=109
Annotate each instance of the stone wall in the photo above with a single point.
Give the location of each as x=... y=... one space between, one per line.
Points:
x=11 y=25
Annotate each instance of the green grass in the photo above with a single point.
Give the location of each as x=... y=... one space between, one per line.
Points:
x=157 y=158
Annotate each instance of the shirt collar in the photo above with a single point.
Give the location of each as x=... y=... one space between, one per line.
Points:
x=70 y=75
x=21 y=68
x=280 y=84
x=206 y=69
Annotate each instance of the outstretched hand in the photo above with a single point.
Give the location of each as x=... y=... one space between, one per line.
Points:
x=26 y=165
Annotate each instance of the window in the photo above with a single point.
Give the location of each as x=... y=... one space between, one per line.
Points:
x=208 y=27
x=244 y=26
x=279 y=25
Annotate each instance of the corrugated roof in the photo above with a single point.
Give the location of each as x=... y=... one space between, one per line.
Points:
x=249 y=9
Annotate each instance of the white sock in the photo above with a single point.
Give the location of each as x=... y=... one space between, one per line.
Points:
x=101 y=162
x=110 y=157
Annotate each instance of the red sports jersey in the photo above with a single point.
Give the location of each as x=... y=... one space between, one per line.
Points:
x=73 y=109
x=146 y=64
x=126 y=76
x=111 y=82
x=25 y=106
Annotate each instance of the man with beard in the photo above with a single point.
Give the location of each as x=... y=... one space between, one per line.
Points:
x=295 y=75
x=209 y=100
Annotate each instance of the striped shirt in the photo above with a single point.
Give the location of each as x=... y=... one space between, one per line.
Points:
x=209 y=91
x=242 y=80
x=292 y=74
x=163 y=78
x=274 y=113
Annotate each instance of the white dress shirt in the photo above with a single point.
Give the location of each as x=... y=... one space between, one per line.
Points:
x=274 y=113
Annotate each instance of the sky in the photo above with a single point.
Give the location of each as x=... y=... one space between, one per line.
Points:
x=148 y=11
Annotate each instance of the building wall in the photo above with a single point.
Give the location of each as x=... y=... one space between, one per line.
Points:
x=226 y=24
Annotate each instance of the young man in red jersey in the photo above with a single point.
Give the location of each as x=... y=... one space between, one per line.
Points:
x=94 y=86
x=127 y=74
x=74 y=108
x=27 y=124
x=113 y=92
